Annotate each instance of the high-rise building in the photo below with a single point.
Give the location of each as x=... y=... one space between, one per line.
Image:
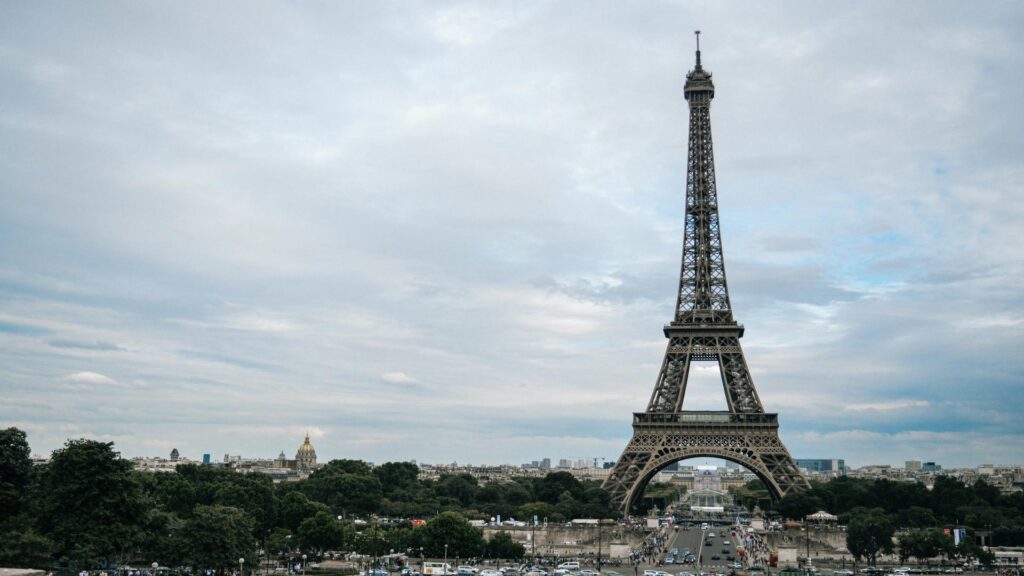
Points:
x=837 y=466
x=930 y=467
x=545 y=464
x=206 y=459
x=912 y=466
x=174 y=455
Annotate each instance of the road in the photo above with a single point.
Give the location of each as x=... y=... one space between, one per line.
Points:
x=694 y=539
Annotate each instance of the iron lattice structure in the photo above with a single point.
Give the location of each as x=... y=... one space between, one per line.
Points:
x=703 y=330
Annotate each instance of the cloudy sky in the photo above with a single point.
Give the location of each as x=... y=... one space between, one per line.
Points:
x=451 y=231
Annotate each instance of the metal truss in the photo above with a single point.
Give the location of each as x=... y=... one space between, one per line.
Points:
x=703 y=329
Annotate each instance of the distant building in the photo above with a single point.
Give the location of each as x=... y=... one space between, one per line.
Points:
x=822 y=465
x=912 y=466
x=564 y=463
x=174 y=455
x=206 y=459
x=305 y=458
x=930 y=467
x=545 y=464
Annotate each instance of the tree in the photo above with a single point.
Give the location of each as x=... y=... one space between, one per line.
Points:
x=452 y=529
x=321 y=532
x=550 y=488
x=295 y=507
x=869 y=533
x=93 y=508
x=396 y=475
x=216 y=537
x=797 y=505
x=26 y=549
x=921 y=544
x=280 y=541
x=501 y=545
x=15 y=465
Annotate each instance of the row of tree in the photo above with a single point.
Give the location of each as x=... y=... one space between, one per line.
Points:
x=88 y=507
x=874 y=511
x=949 y=502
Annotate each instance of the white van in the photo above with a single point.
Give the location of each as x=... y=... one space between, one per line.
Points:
x=569 y=566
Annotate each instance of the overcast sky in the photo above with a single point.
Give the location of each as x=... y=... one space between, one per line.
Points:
x=451 y=231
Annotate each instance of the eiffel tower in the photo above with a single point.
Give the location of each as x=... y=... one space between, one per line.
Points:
x=703 y=330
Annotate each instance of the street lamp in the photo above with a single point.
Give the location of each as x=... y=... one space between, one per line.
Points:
x=155 y=566
x=241 y=566
x=445 y=568
x=303 y=565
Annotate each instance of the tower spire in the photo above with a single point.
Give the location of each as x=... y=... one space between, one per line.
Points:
x=697 y=34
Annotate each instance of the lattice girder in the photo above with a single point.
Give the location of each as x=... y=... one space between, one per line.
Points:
x=703 y=329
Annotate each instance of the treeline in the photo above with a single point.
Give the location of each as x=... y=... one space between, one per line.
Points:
x=925 y=519
x=88 y=507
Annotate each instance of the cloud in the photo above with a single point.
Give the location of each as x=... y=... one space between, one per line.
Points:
x=397 y=378
x=100 y=345
x=491 y=198
x=90 y=378
x=887 y=406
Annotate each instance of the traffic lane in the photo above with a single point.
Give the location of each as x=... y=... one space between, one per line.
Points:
x=706 y=559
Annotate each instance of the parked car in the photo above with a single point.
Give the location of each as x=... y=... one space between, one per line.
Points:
x=588 y=573
x=489 y=572
x=466 y=571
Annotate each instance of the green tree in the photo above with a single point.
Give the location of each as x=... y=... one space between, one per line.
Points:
x=921 y=544
x=322 y=532
x=396 y=476
x=26 y=549
x=869 y=533
x=797 y=505
x=217 y=536
x=550 y=488
x=280 y=541
x=295 y=507
x=93 y=508
x=502 y=546
x=15 y=464
x=450 y=528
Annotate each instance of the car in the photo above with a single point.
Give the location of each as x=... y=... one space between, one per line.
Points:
x=466 y=571
x=376 y=572
x=726 y=550
x=726 y=543
x=842 y=573
x=735 y=565
x=716 y=557
x=731 y=558
x=588 y=572
x=685 y=574
x=489 y=572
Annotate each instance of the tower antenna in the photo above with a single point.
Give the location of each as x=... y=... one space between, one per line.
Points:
x=697 y=34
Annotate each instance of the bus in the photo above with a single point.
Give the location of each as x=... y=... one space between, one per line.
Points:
x=437 y=569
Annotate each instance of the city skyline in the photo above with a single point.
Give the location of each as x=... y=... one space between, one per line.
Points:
x=450 y=232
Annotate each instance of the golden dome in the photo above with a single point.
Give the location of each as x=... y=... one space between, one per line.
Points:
x=306 y=452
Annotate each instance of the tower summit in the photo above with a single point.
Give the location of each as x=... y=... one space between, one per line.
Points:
x=702 y=329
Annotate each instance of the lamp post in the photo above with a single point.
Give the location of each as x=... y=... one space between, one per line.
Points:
x=241 y=566
x=303 y=565
x=445 y=568
x=155 y=566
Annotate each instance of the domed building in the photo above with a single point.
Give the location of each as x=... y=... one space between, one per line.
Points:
x=305 y=458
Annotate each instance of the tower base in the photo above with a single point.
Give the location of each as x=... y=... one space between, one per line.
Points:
x=659 y=439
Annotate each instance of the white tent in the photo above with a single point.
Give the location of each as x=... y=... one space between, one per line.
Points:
x=821 y=516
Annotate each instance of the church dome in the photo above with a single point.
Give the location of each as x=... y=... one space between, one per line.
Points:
x=306 y=455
